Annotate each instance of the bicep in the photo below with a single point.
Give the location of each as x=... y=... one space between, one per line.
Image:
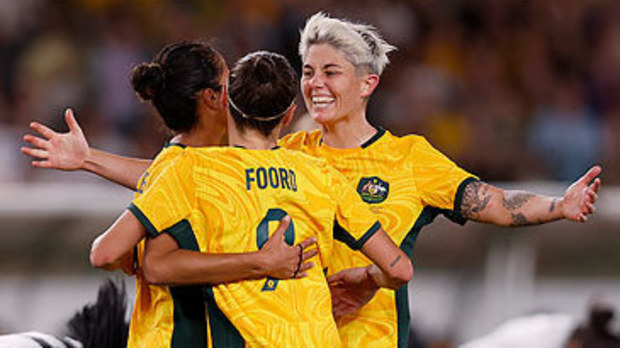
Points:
x=483 y=202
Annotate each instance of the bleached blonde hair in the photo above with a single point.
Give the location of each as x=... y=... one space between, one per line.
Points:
x=359 y=43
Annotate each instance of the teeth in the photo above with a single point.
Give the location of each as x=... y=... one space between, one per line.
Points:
x=322 y=100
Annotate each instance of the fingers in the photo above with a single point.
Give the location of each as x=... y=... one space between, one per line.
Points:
x=591 y=175
x=590 y=208
x=592 y=195
x=71 y=122
x=37 y=153
x=335 y=278
x=36 y=141
x=595 y=185
x=42 y=129
x=42 y=164
x=582 y=218
x=303 y=268
x=307 y=243
x=309 y=254
x=284 y=223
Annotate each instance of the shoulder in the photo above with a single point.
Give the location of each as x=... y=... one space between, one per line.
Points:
x=300 y=139
x=167 y=154
x=411 y=141
x=296 y=156
x=410 y=145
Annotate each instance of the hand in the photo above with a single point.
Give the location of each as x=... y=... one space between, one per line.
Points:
x=284 y=261
x=579 y=199
x=128 y=264
x=351 y=289
x=64 y=151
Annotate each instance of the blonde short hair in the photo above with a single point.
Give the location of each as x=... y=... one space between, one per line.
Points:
x=360 y=43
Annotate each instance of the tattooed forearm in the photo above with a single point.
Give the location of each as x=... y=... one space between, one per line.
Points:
x=519 y=219
x=395 y=261
x=552 y=206
x=515 y=199
x=475 y=199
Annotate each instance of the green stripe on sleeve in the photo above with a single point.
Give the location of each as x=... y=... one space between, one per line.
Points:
x=456 y=214
x=357 y=245
x=342 y=235
x=150 y=229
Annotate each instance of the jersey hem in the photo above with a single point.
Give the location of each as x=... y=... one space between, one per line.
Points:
x=357 y=245
x=150 y=229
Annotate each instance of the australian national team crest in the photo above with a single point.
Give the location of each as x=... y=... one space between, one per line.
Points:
x=373 y=190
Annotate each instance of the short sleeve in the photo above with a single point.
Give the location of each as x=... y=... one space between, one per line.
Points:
x=169 y=200
x=439 y=180
x=354 y=222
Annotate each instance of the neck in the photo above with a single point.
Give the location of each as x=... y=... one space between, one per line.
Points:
x=204 y=133
x=251 y=138
x=347 y=132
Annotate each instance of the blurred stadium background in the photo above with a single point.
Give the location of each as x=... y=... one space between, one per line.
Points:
x=523 y=93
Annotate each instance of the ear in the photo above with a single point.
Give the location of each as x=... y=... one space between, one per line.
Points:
x=369 y=84
x=211 y=98
x=289 y=115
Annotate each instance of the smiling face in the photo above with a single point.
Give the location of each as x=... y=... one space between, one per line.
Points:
x=332 y=89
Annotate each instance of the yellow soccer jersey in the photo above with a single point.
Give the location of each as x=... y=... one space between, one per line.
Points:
x=153 y=321
x=406 y=183
x=228 y=200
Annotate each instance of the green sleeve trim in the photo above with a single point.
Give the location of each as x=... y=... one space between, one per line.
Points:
x=150 y=229
x=457 y=215
x=342 y=235
x=371 y=231
x=183 y=233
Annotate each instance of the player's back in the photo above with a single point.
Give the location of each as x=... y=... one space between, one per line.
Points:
x=243 y=194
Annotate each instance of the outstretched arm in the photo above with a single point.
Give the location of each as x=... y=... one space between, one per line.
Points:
x=486 y=203
x=165 y=263
x=70 y=151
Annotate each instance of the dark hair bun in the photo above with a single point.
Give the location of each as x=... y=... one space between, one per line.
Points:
x=265 y=70
x=147 y=80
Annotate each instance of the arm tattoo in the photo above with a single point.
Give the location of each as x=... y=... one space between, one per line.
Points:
x=515 y=200
x=552 y=206
x=519 y=219
x=395 y=261
x=475 y=199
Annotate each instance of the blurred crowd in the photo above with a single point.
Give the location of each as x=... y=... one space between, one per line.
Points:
x=509 y=89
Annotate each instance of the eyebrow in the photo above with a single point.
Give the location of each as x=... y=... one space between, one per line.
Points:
x=326 y=66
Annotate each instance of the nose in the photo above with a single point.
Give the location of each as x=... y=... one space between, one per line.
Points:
x=317 y=80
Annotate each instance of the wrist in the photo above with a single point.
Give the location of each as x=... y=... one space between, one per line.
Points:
x=261 y=264
x=90 y=161
x=559 y=207
x=371 y=272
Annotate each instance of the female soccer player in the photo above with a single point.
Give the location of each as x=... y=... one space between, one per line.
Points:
x=186 y=84
x=222 y=200
x=403 y=179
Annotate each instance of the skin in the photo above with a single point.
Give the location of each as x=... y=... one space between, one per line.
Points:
x=391 y=268
x=327 y=74
x=343 y=122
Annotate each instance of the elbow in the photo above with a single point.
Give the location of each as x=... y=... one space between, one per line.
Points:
x=99 y=258
x=399 y=276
